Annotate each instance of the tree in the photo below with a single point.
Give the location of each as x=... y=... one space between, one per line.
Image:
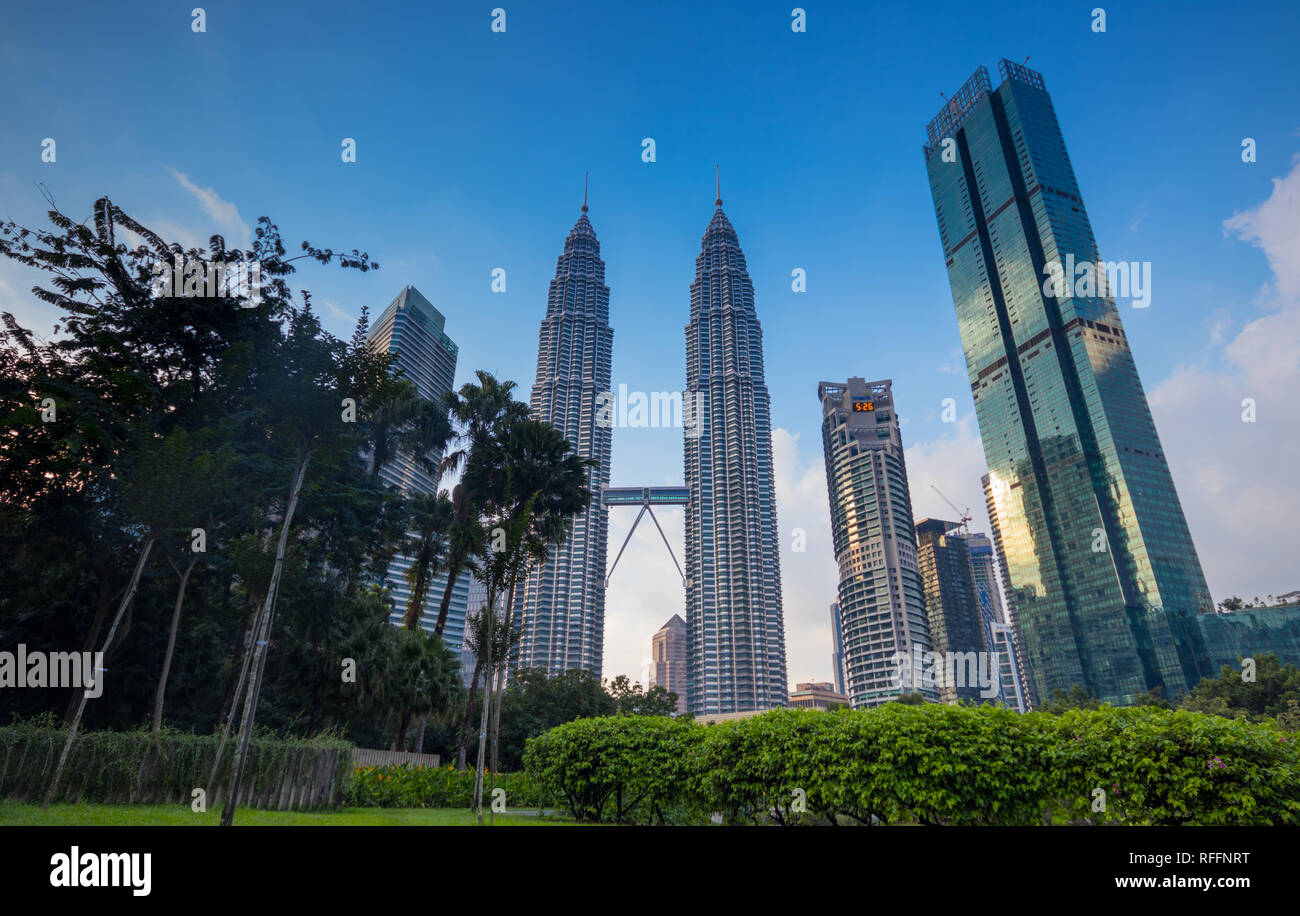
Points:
x=1274 y=694
x=1076 y=698
x=631 y=700
x=481 y=412
x=431 y=519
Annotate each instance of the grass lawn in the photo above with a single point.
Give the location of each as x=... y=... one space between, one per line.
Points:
x=22 y=814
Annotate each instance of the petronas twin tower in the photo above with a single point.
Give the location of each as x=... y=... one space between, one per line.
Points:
x=735 y=629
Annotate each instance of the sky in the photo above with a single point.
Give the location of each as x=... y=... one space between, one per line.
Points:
x=471 y=147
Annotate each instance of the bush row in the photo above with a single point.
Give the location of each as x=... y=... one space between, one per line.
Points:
x=927 y=764
x=406 y=786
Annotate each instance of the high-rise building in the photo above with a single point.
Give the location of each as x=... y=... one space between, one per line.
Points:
x=735 y=627
x=1096 y=548
x=562 y=605
x=837 y=648
x=881 y=593
x=952 y=605
x=410 y=330
x=668 y=659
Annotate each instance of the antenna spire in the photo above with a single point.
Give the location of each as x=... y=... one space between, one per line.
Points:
x=717 y=184
x=586 y=175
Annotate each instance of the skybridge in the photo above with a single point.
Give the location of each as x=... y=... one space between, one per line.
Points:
x=646 y=498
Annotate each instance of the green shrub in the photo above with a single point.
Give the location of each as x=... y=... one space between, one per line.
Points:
x=406 y=786
x=1163 y=767
x=927 y=764
x=626 y=769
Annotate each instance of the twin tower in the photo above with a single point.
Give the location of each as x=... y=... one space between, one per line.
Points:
x=735 y=628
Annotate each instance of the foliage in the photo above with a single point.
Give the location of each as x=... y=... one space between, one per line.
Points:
x=406 y=786
x=1274 y=694
x=624 y=769
x=931 y=764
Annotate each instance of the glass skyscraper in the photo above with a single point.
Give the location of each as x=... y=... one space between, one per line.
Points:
x=883 y=621
x=735 y=628
x=1095 y=546
x=410 y=329
x=562 y=605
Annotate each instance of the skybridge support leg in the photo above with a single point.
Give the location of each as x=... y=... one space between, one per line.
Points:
x=643 y=511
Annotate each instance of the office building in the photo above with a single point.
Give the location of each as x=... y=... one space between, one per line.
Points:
x=1096 y=550
x=881 y=593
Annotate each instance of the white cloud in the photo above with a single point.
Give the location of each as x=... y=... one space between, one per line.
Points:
x=222 y=212
x=808 y=578
x=1236 y=480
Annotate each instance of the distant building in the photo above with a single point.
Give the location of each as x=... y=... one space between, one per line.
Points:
x=1224 y=639
x=411 y=331
x=668 y=659
x=817 y=695
x=837 y=647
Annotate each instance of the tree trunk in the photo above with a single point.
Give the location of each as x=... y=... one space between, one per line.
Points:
x=419 y=736
x=419 y=590
x=496 y=709
x=247 y=637
x=260 y=647
x=454 y=566
x=483 y=719
x=171 y=643
x=469 y=712
x=112 y=632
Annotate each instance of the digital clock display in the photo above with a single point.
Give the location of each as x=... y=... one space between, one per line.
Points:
x=864 y=406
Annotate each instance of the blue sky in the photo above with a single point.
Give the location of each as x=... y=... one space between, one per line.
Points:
x=471 y=148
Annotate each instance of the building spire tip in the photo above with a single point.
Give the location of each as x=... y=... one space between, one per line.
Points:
x=586 y=176
x=717 y=184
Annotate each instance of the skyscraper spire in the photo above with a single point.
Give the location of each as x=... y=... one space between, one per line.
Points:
x=585 y=176
x=717 y=184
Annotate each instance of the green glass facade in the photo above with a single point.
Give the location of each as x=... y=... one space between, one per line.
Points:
x=1095 y=545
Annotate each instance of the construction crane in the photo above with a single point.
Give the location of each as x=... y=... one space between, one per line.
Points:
x=965 y=516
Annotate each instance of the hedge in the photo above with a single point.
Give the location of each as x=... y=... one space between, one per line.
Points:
x=140 y=767
x=926 y=764
x=406 y=786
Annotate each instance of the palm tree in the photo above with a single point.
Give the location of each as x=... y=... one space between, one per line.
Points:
x=476 y=640
x=397 y=419
x=426 y=546
x=532 y=484
x=481 y=411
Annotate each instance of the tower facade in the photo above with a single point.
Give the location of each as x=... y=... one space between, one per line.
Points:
x=735 y=627
x=883 y=618
x=1096 y=548
x=562 y=605
x=411 y=331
